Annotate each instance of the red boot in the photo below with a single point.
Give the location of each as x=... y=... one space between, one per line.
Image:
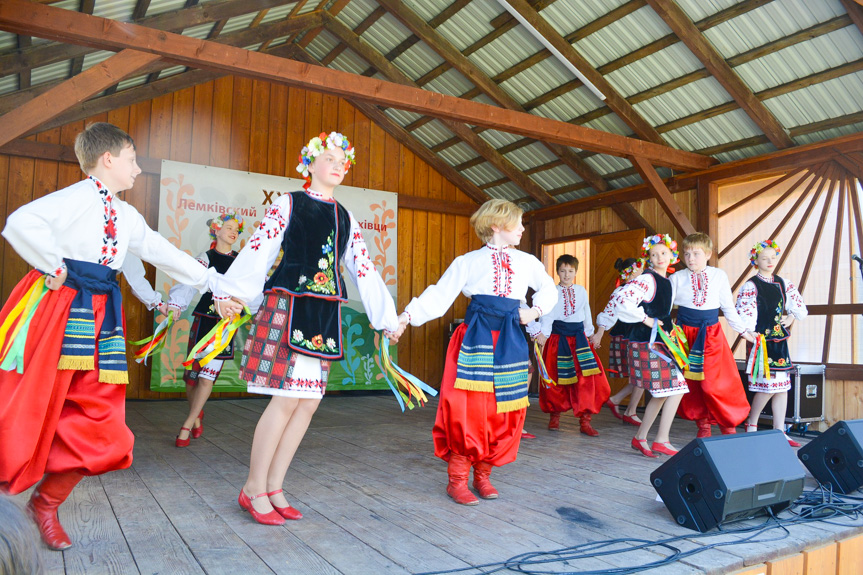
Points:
x=554 y=421
x=585 y=427
x=703 y=427
x=727 y=430
x=43 y=504
x=458 y=470
x=483 y=486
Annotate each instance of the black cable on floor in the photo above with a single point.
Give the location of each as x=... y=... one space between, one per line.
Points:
x=817 y=505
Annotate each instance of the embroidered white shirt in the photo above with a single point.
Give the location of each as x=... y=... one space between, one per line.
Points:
x=490 y=270
x=571 y=307
x=747 y=302
x=707 y=290
x=642 y=288
x=608 y=316
x=246 y=277
x=70 y=223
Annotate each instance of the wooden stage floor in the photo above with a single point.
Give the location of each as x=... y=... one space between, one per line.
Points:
x=372 y=493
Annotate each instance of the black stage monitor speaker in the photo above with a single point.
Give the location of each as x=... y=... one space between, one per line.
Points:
x=714 y=479
x=835 y=457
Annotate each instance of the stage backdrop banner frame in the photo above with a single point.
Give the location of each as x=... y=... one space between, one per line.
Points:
x=191 y=194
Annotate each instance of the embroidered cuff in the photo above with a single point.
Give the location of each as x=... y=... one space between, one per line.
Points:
x=408 y=314
x=221 y=297
x=154 y=304
x=539 y=310
x=59 y=271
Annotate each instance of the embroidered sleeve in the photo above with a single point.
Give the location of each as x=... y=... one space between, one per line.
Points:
x=726 y=301
x=245 y=278
x=747 y=305
x=608 y=316
x=374 y=294
x=133 y=271
x=151 y=247
x=437 y=298
x=794 y=302
x=633 y=293
x=180 y=296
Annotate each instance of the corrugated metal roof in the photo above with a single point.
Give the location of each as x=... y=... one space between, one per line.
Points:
x=795 y=110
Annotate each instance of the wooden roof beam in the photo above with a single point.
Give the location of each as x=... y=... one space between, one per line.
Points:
x=855 y=12
x=21 y=16
x=66 y=95
x=406 y=139
x=483 y=148
x=172 y=21
x=613 y=99
x=663 y=195
x=484 y=83
x=680 y=23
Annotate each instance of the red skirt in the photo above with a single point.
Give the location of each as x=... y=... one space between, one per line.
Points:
x=585 y=396
x=720 y=396
x=55 y=421
x=467 y=422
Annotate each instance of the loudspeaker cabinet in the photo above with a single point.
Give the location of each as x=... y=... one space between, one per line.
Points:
x=805 y=398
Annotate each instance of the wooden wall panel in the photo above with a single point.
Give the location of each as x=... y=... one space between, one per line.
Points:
x=250 y=125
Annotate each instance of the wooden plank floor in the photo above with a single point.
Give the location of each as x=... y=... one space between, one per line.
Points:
x=372 y=493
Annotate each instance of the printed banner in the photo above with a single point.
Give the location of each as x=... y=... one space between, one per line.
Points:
x=191 y=195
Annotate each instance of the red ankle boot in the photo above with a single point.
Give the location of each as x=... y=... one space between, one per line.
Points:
x=585 y=427
x=43 y=504
x=458 y=470
x=481 y=483
x=554 y=421
x=727 y=430
x=703 y=427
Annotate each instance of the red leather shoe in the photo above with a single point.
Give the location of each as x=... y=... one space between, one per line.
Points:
x=458 y=470
x=585 y=427
x=727 y=430
x=554 y=421
x=641 y=445
x=615 y=409
x=199 y=431
x=703 y=428
x=791 y=442
x=183 y=442
x=526 y=435
x=663 y=448
x=481 y=473
x=269 y=518
x=288 y=512
x=631 y=419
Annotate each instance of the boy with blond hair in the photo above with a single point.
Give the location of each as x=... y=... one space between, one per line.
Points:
x=483 y=394
x=62 y=412
x=716 y=394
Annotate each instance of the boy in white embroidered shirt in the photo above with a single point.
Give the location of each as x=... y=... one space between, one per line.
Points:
x=716 y=393
x=60 y=415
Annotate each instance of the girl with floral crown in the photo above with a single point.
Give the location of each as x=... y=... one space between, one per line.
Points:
x=297 y=332
x=646 y=302
x=768 y=305
x=224 y=232
x=618 y=349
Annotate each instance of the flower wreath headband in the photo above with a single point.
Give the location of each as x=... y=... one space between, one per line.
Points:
x=757 y=249
x=626 y=272
x=317 y=146
x=217 y=223
x=657 y=239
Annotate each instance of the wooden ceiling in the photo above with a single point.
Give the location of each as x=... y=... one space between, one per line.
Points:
x=149 y=44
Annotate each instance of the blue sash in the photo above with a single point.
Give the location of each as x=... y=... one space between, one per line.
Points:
x=501 y=369
x=566 y=374
x=79 y=338
x=702 y=319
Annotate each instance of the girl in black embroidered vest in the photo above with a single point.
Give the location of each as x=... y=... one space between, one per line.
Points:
x=297 y=332
x=224 y=232
x=647 y=300
x=767 y=304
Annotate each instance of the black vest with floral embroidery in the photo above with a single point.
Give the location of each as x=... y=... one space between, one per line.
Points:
x=771 y=308
x=314 y=243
